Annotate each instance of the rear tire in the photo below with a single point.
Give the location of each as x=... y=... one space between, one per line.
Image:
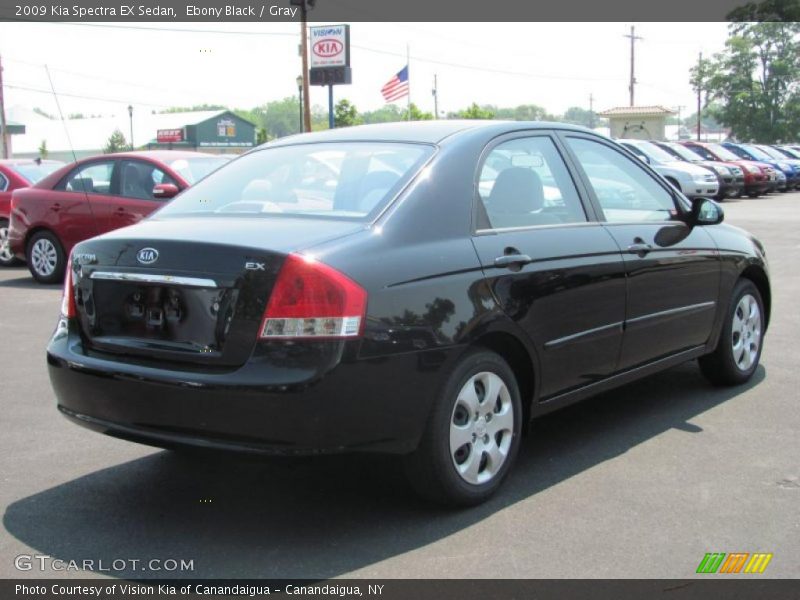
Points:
x=7 y=258
x=47 y=261
x=738 y=350
x=472 y=435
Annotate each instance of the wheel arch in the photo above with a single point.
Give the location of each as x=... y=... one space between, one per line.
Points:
x=759 y=278
x=521 y=362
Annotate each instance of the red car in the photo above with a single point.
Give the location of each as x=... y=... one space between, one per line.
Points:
x=18 y=173
x=756 y=174
x=93 y=196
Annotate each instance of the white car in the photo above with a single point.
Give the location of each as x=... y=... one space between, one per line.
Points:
x=692 y=180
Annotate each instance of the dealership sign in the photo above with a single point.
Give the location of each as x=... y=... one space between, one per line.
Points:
x=330 y=46
x=169 y=135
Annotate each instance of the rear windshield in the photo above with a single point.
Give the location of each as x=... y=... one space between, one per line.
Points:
x=34 y=172
x=338 y=180
x=194 y=169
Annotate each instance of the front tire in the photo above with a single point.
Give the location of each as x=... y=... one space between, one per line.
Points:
x=738 y=351
x=46 y=259
x=7 y=258
x=472 y=435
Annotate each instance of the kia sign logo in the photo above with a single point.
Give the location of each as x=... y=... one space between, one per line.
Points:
x=327 y=48
x=147 y=256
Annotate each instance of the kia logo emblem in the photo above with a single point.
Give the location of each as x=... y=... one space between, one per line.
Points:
x=147 y=256
x=327 y=47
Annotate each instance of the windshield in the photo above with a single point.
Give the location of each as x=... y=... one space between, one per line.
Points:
x=772 y=152
x=654 y=153
x=684 y=152
x=338 y=180
x=759 y=154
x=34 y=172
x=194 y=169
x=723 y=153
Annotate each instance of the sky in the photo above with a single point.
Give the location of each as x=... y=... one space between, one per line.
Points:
x=240 y=65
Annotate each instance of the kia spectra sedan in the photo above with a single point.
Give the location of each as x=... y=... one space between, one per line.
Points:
x=421 y=289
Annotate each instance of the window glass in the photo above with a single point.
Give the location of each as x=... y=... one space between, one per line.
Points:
x=336 y=179
x=94 y=178
x=194 y=169
x=35 y=171
x=3 y=183
x=523 y=183
x=138 y=178
x=625 y=191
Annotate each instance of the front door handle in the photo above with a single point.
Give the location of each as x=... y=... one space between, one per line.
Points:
x=639 y=247
x=512 y=260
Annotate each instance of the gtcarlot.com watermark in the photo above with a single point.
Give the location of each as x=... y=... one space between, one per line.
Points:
x=43 y=563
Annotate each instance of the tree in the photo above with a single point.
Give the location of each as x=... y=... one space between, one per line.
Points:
x=116 y=143
x=416 y=114
x=43 y=152
x=580 y=116
x=346 y=114
x=385 y=114
x=476 y=112
x=756 y=81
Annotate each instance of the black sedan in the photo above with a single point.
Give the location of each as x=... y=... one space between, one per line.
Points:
x=422 y=289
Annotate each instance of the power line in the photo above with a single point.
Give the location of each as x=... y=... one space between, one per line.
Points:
x=83 y=97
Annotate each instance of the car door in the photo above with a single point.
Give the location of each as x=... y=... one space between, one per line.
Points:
x=673 y=269
x=552 y=268
x=133 y=197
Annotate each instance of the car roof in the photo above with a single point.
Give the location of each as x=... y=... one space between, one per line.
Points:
x=161 y=155
x=425 y=132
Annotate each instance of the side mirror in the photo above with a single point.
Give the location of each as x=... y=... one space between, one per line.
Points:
x=706 y=212
x=165 y=190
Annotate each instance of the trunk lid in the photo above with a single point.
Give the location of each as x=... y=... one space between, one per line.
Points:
x=190 y=291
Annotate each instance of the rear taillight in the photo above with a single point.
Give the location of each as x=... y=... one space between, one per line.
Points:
x=68 y=297
x=312 y=300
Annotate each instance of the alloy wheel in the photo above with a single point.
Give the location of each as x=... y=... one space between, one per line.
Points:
x=44 y=257
x=5 y=248
x=746 y=332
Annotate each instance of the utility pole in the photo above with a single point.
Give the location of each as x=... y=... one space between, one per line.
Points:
x=633 y=37
x=699 y=91
x=435 y=98
x=679 y=108
x=3 y=129
x=304 y=44
x=591 y=111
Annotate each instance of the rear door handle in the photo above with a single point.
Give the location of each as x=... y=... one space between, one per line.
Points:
x=56 y=207
x=511 y=260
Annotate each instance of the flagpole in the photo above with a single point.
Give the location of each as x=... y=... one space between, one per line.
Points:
x=408 y=72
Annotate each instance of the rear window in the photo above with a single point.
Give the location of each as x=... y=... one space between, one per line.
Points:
x=338 y=180
x=34 y=172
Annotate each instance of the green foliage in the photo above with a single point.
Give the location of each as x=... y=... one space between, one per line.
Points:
x=475 y=112
x=755 y=81
x=581 y=116
x=416 y=114
x=769 y=10
x=346 y=114
x=116 y=143
x=43 y=151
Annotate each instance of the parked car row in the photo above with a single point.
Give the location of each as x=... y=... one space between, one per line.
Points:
x=54 y=206
x=721 y=170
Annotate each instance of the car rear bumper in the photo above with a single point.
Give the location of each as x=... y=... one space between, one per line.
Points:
x=375 y=405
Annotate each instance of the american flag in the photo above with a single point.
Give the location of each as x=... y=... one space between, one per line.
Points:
x=397 y=86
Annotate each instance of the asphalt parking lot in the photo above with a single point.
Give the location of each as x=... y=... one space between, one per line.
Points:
x=640 y=482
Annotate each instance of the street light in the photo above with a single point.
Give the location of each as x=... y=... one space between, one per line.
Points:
x=130 y=114
x=299 y=81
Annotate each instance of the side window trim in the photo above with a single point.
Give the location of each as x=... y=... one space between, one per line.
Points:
x=581 y=173
x=580 y=188
x=3 y=182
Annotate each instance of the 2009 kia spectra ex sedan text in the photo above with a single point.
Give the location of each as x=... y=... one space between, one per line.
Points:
x=421 y=289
